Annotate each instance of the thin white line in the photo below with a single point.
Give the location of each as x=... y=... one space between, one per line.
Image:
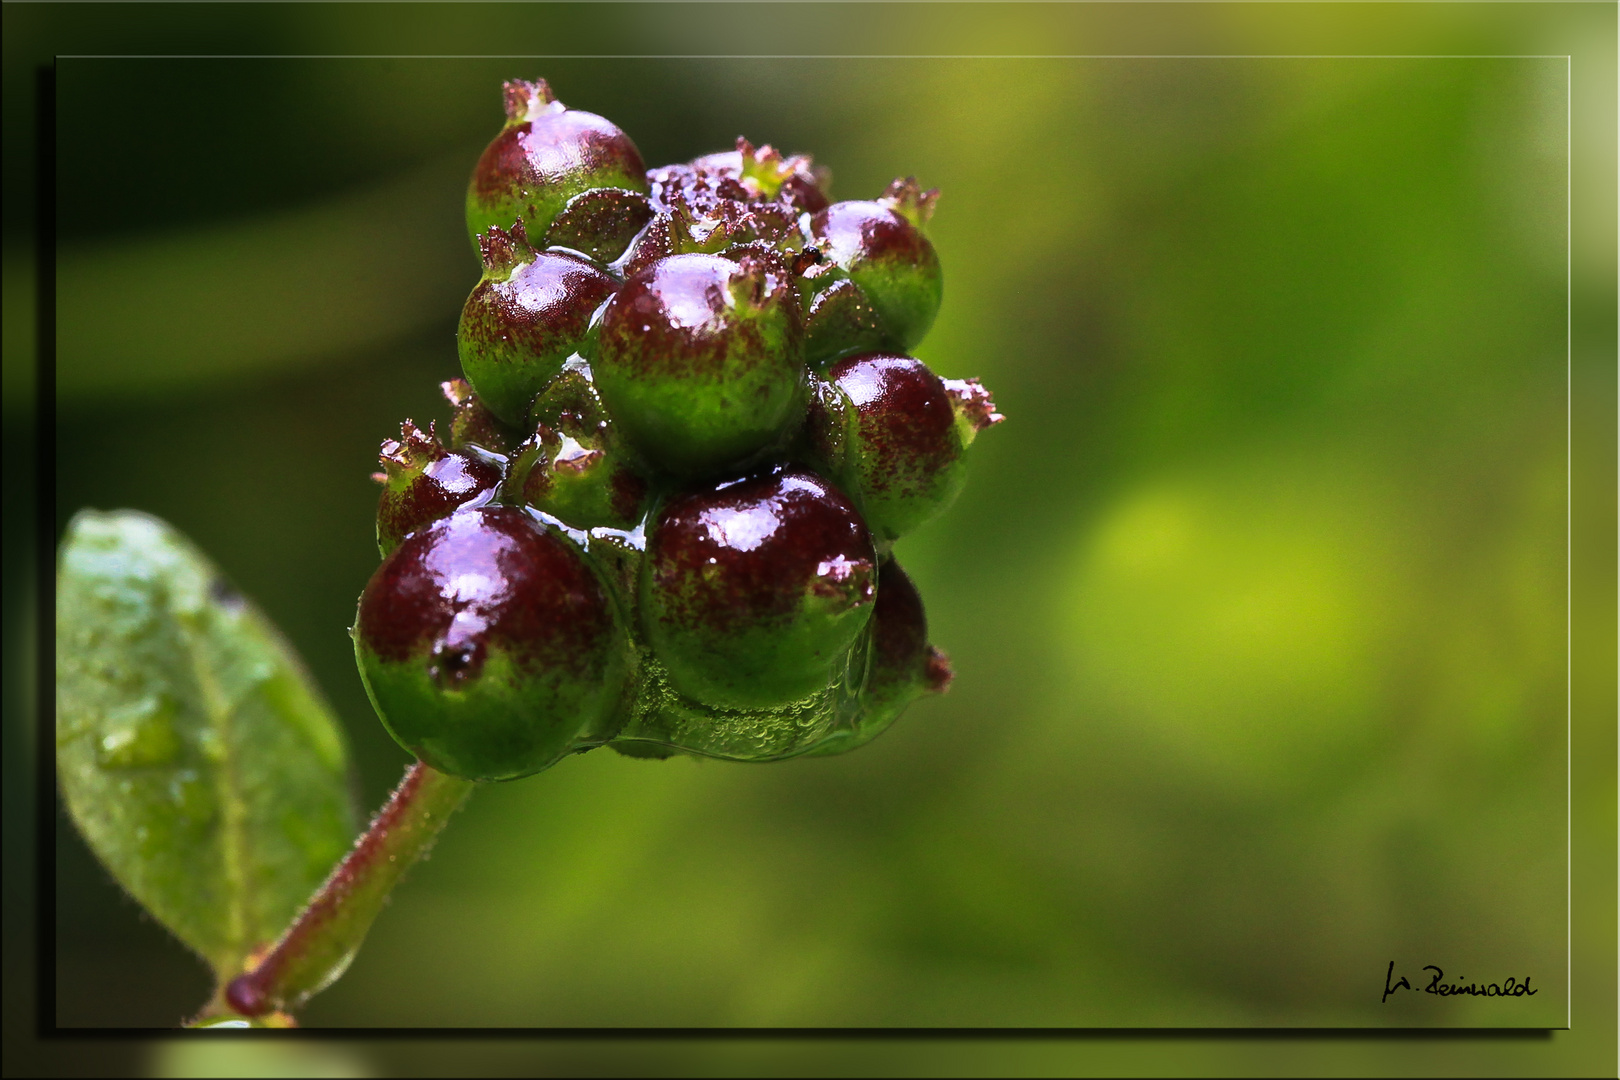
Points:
x=812 y=56
x=1569 y=557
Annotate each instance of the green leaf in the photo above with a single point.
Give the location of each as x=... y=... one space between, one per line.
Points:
x=194 y=752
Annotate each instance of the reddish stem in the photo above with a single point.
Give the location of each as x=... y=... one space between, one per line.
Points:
x=321 y=941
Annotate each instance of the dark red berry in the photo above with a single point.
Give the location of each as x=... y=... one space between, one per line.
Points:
x=422 y=482
x=892 y=434
x=528 y=314
x=488 y=645
x=754 y=590
x=544 y=156
x=700 y=361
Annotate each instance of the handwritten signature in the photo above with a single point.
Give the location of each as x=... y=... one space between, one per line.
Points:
x=1510 y=988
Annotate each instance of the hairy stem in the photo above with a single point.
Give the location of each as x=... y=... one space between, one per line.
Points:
x=321 y=941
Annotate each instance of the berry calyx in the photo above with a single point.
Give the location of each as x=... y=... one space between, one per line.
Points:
x=700 y=361
x=544 y=156
x=754 y=590
x=886 y=254
x=488 y=645
x=524 y=318
x=422 y=482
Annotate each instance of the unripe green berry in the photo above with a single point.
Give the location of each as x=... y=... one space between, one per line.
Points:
x=488 y=645
x=700 y=361
x=528 y=314
x=754 y=590
x=545 y=156
x=841 y=322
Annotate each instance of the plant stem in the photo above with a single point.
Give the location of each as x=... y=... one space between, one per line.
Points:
x=323 y=939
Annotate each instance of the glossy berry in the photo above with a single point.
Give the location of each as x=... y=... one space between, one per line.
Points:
x=904 y=667
x=894 y=434
x=881 y=247
x=700 y=361
x=422 y=482
x=572 y=466
x=488 y=645
x=545 y=156
x=528 y=314
x=754 y=590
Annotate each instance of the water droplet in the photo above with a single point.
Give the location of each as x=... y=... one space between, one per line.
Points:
x=190 y=796
x=139 y=734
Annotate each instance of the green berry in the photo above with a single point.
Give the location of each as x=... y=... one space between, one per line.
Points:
x=545 y=156
x=841 y=322
x=880 y=245
x=700 y=361
x=528 y=314
x=488 y=645
x=754 y=590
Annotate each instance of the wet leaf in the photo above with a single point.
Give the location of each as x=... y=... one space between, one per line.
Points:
x=194 y=752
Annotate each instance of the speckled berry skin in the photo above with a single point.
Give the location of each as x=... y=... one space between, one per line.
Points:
x=904 y=667
x=887 y=430
x=525 y=317
x=894 y=264
x=700 y=360
x=488 y=645
x=544 y=156
x=754 y=590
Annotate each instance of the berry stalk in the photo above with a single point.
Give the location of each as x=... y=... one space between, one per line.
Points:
x=323 y=939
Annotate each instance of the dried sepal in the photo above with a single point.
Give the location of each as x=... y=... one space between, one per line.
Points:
x=504 y=250
x=414 y=450
x=905 y=197
x=975 y=409
x=525 y=101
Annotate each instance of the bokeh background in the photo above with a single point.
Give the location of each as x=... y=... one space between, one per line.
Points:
x=1257 y=600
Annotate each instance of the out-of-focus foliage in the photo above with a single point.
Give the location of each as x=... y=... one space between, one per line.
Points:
x=1257 y=600
x=199 y=763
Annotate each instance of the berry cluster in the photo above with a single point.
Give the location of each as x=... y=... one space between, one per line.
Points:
x=687 y=437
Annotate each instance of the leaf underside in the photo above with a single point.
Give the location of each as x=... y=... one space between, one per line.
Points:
x=194 y=752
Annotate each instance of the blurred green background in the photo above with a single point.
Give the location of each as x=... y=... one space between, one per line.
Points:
x=1257 y=601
